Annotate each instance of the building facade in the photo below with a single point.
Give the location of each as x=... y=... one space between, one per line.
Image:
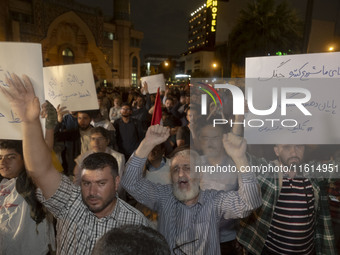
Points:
x=209 y=29
x=211 y=24
x=72 y=33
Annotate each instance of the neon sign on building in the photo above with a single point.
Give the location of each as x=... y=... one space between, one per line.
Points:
x=213 y=5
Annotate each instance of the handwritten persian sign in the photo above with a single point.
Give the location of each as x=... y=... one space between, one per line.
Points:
x=19 y=58
x=154 y=82
x=276 y=80
x=71 y=86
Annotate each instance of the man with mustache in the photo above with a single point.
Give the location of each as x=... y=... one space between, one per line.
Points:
x=294 y=217
x=188 y=217
x=83 y=213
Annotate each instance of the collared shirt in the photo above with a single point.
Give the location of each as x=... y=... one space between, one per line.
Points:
x=78 y=228
x=254 y=229
x=191 y=229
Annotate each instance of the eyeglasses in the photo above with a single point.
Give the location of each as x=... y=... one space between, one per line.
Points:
x=178 y=247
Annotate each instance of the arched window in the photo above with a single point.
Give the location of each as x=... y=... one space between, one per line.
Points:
x=134 y=71
x=68 y=56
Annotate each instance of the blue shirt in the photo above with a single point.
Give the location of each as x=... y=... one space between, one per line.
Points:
x=191 y=229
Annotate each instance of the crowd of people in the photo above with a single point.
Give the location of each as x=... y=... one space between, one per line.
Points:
x=109 y=181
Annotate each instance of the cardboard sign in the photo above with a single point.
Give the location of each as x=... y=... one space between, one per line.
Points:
x=154 y=82
x=18 y=58
x=71 y=86
x=318 y=74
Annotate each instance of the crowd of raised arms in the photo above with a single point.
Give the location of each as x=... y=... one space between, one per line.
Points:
x=111 y=181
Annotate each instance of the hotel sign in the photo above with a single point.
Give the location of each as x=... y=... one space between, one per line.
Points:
x=213 y=5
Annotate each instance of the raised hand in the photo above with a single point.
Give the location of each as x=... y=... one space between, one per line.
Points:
x=144 y=89
x=235 y=146
x=61 y=111
x=155 y=135
x=21 y=96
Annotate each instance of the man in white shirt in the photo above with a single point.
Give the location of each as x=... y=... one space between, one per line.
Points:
x=99 y=141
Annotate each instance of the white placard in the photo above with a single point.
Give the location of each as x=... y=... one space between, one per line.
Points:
x=71 y=86
x=18 y=58
x=154 y=82
x=319 y=74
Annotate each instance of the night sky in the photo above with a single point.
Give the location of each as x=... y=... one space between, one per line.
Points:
x=164 y=23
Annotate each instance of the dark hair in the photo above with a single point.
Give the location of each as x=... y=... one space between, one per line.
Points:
x=126 y=104
x=104 y=132
x=132 y=239
x=88 y=112
x=12 y=144
x=100 y=160
x=24 y=184
x=169 y=98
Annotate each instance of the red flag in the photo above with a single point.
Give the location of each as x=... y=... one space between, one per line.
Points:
x=157 y=110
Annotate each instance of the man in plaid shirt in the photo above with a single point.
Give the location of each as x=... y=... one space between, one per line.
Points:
x=83 y=213
x=294 y=217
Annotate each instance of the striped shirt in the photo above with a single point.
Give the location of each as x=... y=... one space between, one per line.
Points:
x=292 y=226
x=78 y=228
x=191 y=229
x=254 y=229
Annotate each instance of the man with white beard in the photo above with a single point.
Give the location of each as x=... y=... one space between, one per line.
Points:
x=188 y=217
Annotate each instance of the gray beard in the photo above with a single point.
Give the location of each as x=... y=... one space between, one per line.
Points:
x=184 y=196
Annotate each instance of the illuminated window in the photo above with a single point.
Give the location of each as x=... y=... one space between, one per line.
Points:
x=134 y=71
x=134 y=79
x=111 y=36
x=68 y=56
x=67 y=53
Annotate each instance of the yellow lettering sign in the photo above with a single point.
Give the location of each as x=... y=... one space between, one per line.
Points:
x=214 y=3
x=213 y=29
x=214 y=15
x=209 y=3
x=213 y=22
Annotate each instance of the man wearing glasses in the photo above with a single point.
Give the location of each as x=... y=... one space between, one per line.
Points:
x=188 y=217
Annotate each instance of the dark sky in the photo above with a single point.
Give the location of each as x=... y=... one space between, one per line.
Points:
x=164 y=23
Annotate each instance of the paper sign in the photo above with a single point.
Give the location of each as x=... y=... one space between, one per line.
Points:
x=71 y=86
x=18 y=58
x=317 y=73
x=154 y=82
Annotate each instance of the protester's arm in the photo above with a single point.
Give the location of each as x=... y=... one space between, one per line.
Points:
x=37 y=155
x=155 y=135
x=238 y=128
x=132 y=181
x=236 y=146
x=145 y=91
x=248 y=197
x=50 y=114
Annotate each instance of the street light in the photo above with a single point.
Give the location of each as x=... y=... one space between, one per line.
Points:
x=166 y=63
x=216 y=65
